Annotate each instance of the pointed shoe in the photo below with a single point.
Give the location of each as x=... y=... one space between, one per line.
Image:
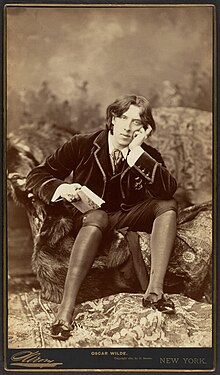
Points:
x=163 y=305
x=61 y=330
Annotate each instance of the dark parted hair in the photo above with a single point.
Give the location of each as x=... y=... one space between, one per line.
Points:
x=121 y=105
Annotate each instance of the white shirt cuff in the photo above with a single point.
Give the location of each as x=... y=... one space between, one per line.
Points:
x=134 y=155
x=56 y=197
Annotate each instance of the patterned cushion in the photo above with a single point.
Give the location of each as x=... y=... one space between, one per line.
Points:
x=184 y=138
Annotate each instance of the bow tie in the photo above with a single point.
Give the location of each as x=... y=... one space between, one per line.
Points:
x=118 y=161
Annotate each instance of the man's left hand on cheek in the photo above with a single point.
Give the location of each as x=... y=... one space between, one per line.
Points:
x=141 y=136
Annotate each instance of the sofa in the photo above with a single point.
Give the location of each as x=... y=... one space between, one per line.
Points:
x=184 y=138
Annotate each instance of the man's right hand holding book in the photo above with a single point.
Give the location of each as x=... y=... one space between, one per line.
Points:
x=68 y=192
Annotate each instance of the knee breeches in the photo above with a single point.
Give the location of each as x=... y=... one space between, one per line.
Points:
x=96 y=218
x=141 y=216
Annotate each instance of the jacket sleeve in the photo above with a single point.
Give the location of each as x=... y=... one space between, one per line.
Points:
x=151 y=167
x=44 y=179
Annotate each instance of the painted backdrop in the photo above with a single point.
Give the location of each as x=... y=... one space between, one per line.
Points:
x=73 y=55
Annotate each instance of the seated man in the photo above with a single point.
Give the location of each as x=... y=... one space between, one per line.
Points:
x=136 y=186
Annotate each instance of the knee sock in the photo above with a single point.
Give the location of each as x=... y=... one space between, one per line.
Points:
x=81 y=259
x=162 y=241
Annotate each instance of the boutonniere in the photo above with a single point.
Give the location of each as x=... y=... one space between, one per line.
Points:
x=138 y=185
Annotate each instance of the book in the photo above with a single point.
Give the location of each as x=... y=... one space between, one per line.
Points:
x=89 y=200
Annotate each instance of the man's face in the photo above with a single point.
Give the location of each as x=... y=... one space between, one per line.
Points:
x=125 y=126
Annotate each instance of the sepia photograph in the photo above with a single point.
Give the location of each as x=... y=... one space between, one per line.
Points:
x=110 y=127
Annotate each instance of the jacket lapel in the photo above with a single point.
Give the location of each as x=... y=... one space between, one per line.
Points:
x=101 y=154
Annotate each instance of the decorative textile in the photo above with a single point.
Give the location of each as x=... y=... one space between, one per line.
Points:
x=184 y=138
x=113 y=321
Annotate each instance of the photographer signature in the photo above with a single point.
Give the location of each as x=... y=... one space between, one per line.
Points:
x=32 y=359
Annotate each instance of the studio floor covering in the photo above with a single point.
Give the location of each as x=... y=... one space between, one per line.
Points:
x=113 y=321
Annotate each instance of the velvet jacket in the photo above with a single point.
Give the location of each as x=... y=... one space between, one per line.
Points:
x=86 y=159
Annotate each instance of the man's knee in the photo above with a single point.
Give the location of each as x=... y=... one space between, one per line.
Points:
x=166 y=206
x=96 y=218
